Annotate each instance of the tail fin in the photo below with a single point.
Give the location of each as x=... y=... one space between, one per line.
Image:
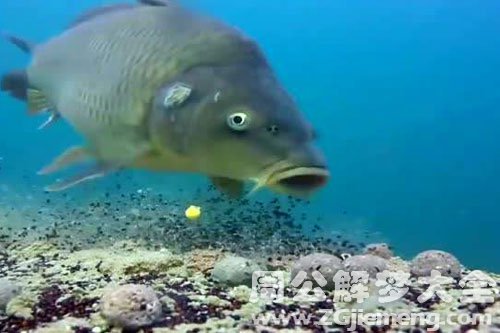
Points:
x=16 y=84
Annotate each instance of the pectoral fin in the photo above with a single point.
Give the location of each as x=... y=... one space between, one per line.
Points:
x=71 y=156
x=95 y=172
x=15 y=84
x=54 y=116
x=37 y=101
x=231 y=187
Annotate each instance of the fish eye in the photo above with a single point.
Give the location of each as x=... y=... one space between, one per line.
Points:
x=238 y=121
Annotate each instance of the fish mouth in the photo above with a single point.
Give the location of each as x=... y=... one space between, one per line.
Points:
x=299 y=180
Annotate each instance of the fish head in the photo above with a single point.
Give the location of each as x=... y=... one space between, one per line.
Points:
x=237 y=122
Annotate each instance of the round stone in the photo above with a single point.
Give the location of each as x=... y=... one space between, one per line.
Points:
x=380 y=250
x=444 y=262
x=326 y=264
x=8 y=290
x=131 y=306
x=366 y=263
x=235 y=271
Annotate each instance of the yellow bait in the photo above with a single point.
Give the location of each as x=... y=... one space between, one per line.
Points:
x=193 y=213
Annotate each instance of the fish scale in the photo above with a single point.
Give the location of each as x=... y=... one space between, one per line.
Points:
x=128 y=82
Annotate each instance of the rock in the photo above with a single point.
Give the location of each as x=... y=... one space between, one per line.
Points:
x=130 y=306
x=328 y=265
x=366 y=263
x=280 y=262
x=235 y=271
x=396 y=264
x=8 y=290
x=3 y=251
x=444 y=262
x=380 y=250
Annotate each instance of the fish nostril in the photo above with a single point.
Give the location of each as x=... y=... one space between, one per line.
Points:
x=273 y=130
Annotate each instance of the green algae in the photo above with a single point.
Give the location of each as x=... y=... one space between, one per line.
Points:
x=35 y=250
x=126 y=263
x=228 y=325
x=22 y=306
x=65 y=325
x=241 y=293
x=210 y=300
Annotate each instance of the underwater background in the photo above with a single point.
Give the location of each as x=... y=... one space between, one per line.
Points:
x=404 y=94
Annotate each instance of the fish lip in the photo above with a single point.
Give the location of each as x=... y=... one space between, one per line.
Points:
x=300 y=178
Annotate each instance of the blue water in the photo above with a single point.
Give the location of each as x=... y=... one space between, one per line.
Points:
x=405 y=96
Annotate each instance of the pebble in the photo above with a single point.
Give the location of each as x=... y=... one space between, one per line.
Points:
x=379 y=249
x=8 y=290
x=328 y=265
x=427 y=261
x=366 y=263
x=235 y=271
x=131 y=306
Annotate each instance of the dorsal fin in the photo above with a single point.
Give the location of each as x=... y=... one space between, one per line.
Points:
x=156 y=3
x=96 y=12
